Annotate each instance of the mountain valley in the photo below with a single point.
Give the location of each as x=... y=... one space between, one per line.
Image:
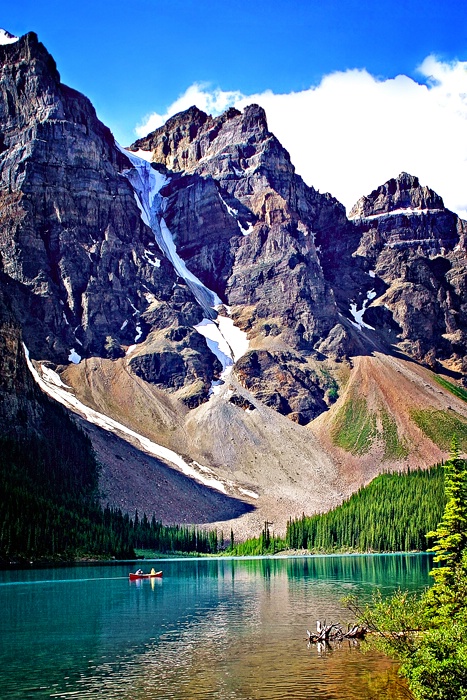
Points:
x=237 y=347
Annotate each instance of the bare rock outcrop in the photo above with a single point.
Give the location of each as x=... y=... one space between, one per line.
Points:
x=304 y=282
x=245 y=223
x=399 y=272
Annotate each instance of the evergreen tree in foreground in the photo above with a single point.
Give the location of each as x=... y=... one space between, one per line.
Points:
x=428 y=633
x=450 y=537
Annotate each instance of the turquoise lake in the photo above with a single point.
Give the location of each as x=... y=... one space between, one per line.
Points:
x=210 y=628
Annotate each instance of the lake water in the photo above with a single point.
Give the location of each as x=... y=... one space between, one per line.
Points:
x=210 y=628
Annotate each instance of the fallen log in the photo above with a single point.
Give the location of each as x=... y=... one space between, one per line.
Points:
x=334 y=633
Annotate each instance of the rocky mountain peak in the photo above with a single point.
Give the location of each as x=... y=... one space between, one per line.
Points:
x=254 y=119
x=28 y=48
x=177 y=133
x=210 y=285
x=192 y=135
x=402 y=192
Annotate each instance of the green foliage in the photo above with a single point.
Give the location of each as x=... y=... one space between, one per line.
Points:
x=49 y=507
x=450 y=537
x=428 y=633
x=440 y=426
x=257 y=546
x=437 y=668
x=392 y=513
x=48 y=496
x=458 y=391
x=433 y=657
x=330 y=385
x=113 y=348
x=394 y=448
x=354 y=427
x=151 y=535
x=396 y=620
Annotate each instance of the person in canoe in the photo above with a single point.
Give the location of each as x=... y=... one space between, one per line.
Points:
x=139 y=572
x=153 y=571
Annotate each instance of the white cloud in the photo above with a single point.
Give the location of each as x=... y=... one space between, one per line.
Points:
x=210 y=101
x=354 y=131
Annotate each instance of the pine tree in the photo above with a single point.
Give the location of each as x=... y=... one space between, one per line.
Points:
x=450 y=537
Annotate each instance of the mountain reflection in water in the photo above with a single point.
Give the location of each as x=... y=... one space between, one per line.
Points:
x=211 y=628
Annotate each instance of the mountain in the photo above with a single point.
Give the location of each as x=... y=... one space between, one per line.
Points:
x=254 y=352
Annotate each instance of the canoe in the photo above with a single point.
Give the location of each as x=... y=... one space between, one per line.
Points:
x=135 y=577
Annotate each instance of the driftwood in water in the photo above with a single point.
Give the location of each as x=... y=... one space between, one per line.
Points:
x=334 y=633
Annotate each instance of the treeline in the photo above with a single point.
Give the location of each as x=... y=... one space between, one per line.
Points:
x=152 y=535
x=49 y=506
x=49 y=509
x=266 y=543
x=393 y=513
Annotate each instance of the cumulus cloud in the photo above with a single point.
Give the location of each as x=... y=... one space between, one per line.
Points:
x=354 y=131
x=210 y=101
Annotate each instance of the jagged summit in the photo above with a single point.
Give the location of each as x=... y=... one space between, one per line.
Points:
x=402 y=192
x=210 y=303
x=192 y=135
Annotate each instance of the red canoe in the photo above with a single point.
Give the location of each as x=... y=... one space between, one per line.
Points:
x=134 y=577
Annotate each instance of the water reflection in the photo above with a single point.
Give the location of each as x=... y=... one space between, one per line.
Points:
x=209 y=629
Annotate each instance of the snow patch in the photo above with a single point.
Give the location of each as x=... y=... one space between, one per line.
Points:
x=216 y=342
x=124 y=325
x=233 y=212
x=227 y=342
x=215 y=388
x=205 y=297
x=136 y=312
x=148 y=255
x=7 y=38
x=358 y=315
x=147 y=183
x=53 y=377
x=68 y=399
x=144 y=215
x=396 y=212
x=74 y=357
x=145 y=155
x=246 y=492
x=372 y=273
x=246 y=230
x=234 y=336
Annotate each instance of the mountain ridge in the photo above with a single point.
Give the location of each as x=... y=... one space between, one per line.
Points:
x=117 y=265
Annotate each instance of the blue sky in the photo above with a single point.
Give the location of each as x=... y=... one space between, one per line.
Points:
x=139 y=57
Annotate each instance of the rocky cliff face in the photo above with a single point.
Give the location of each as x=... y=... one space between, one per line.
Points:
x=415 y=250
x=71 y=232
x=299 y=277
x=128 y=258
x=20 y=410
x=246 y=224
